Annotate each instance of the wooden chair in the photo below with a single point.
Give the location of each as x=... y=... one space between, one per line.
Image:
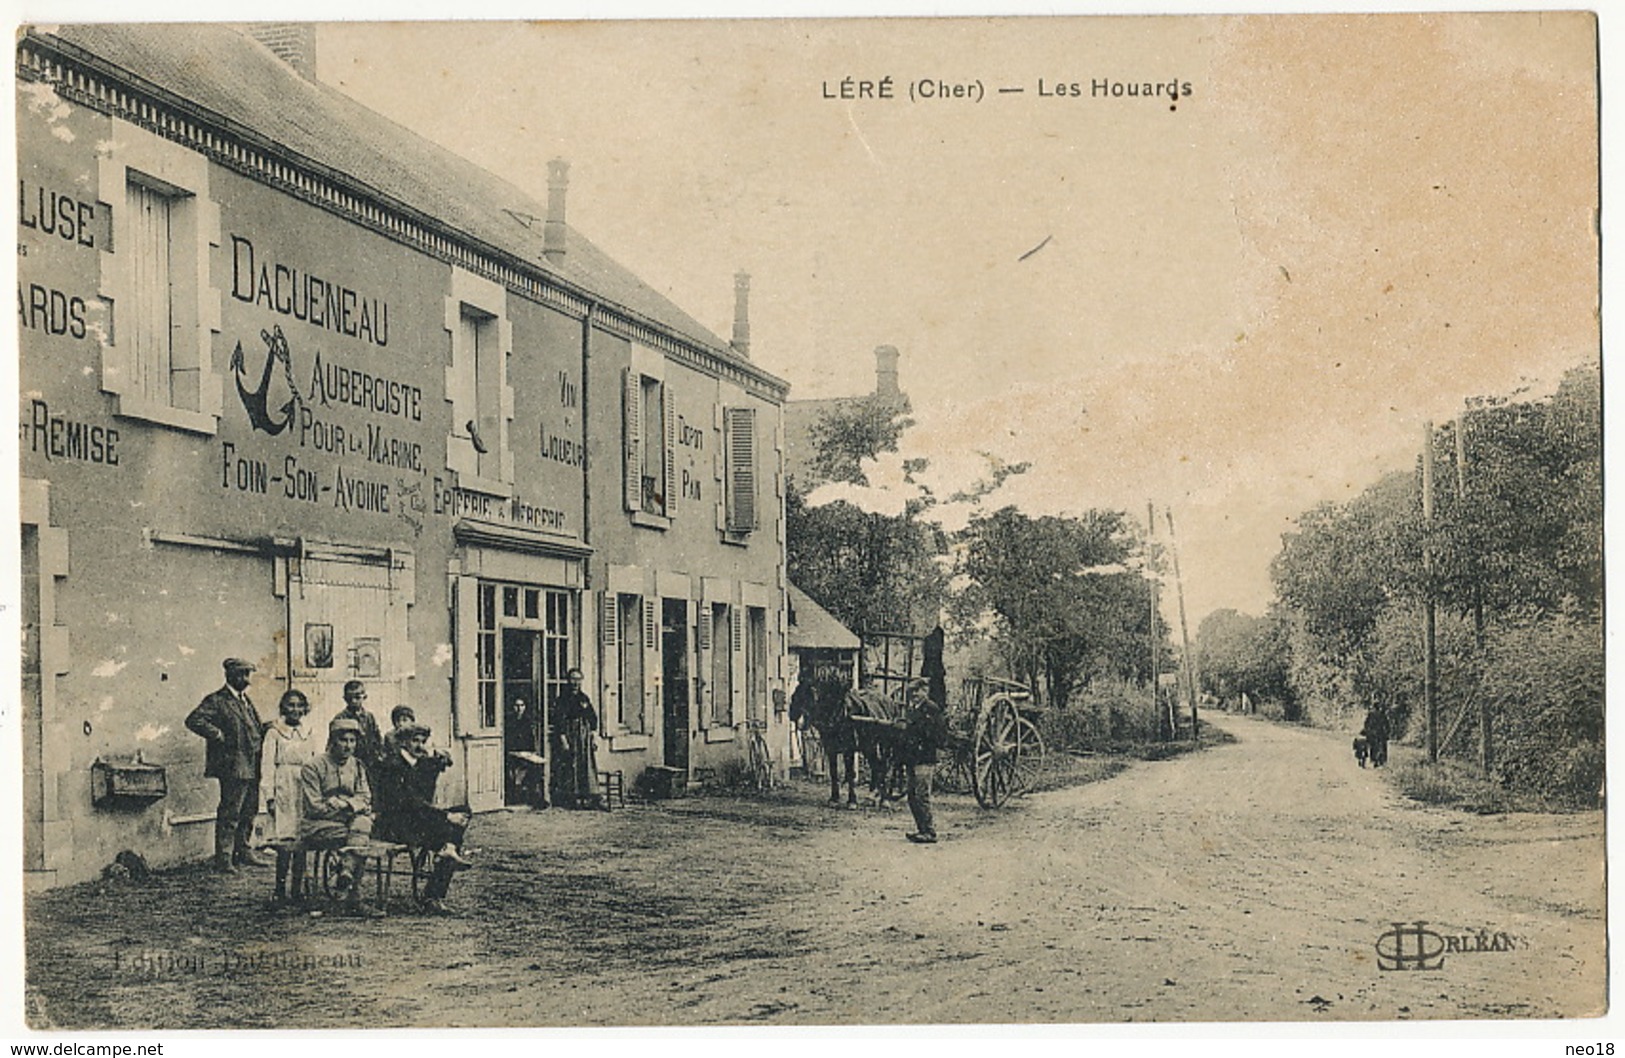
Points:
x=612 y=788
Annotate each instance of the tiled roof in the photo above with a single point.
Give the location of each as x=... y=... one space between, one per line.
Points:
x=814 y=628
x=226 y=74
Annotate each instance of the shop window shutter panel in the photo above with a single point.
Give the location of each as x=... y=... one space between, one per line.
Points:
x=632 y=389
x=670 y=461
x=702 y=707
x=741 y=469
x=608 y=634
x=651 y=624
x=465 y=621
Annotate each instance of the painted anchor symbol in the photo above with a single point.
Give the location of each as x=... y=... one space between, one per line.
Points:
x=254 y=401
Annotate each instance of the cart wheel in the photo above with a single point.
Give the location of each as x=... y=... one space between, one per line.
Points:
x=953 y=774
x=1031 y=759
x=1004 y=750
x=329 y=865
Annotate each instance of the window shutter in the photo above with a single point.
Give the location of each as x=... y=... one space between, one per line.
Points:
x=465 y=711
x=651 y=626
x=151 y=315
x=741 y=469
x=633 y=404
x=702 y=707
x=736 y=662
x=608 y=636
x=670 y=462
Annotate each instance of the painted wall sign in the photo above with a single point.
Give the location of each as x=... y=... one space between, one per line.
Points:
x=306 y=297
x=465 y=503
x=257 y=401
x=59 y=437
x=42 y=308
x=57 y=213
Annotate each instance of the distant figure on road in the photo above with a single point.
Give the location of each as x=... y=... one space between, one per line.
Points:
x=1375 y=731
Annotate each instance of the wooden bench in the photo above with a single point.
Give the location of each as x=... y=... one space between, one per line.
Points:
x=383 y=859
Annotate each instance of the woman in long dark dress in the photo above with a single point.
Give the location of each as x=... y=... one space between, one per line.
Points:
x=575 y=759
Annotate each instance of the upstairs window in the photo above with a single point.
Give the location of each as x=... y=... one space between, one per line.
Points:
x=477 y=384
x=739 y=446
x=149 y=317
x=164 y=310
x=651 y=437
x=486 y=361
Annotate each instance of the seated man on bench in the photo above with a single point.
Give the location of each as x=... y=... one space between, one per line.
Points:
x=407 y=814
x=337 y=807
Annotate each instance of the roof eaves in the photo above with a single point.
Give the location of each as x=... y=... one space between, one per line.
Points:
x=206 y=116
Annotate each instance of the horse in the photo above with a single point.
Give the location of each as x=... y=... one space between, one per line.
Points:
x=838 y=735
x=873 y=713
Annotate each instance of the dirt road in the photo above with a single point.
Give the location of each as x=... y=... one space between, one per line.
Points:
x=1251 y=881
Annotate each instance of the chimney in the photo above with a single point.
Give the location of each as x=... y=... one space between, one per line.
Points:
x=292 y=42
x=886 y=371
x=741 y=341
x=554 y=231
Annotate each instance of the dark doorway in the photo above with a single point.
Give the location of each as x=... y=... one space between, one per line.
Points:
x=524 y=718
x=674 y=672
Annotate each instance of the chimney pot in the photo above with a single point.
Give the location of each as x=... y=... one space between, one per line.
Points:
x=292 y=42
x=886 y=371
x=554 y=231
x=741 y=339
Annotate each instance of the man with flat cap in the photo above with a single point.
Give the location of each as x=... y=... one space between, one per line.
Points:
x=233 y=730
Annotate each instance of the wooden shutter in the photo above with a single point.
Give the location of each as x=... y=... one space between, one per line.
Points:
x=465 y=704
x=149 y=321
x=741 y=469
x=670 y=462
x=702 y=707
x=740 y=694
x=610 y=663
x=633 y=405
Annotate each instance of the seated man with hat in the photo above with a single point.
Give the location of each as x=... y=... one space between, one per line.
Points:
x=337 y=809
x=406 y=777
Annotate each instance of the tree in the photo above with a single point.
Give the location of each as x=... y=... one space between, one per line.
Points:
x=874 y=571
x=1517 y=579
x=1064 y=602
x=850 y=433
x=1242 y=654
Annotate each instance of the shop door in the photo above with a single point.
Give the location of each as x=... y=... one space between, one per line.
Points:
x=674 y=715
x=347 y=621
x=524 y=718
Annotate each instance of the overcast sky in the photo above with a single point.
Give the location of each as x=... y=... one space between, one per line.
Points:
x=1239 y=304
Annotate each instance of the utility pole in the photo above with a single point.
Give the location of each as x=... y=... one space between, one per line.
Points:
x=1150 y=549
x=1485 y=755
x=1430 y=684
x=1184 y=629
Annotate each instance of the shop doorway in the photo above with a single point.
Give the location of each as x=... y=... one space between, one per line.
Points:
x=674 y=707
x=531 y=637
x=524 y=717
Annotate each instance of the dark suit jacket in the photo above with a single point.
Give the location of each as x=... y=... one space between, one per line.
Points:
x=403 y=798
x=233 y=731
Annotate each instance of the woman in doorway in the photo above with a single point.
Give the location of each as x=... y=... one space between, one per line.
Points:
x=575 y=759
